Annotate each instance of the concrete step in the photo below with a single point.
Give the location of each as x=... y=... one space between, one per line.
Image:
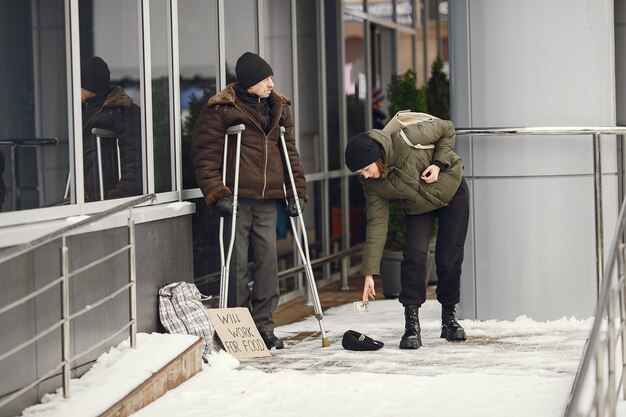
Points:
x=178 y=370
x=123 y=380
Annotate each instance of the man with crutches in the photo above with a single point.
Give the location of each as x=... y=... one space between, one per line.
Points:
x=253 y=103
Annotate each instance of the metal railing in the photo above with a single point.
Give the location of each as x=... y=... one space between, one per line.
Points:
x=596 y=133
x=600 y=379
x=63 y=367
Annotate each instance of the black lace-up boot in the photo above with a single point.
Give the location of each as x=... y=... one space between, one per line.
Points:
x=412 y=338
x=451 y=330
x=271 y=341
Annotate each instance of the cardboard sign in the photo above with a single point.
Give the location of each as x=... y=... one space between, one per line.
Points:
x=238 y=333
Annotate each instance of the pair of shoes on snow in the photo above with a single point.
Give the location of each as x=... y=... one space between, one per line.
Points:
x=451 y=330
x=271 y=341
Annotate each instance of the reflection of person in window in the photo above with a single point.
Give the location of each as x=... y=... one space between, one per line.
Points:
x=378 y=109
x=109 y=107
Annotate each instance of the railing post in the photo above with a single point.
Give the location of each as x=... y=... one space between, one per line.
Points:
x=621 y=253
x=611 y=385
x=597 y=192
x=132 y=279
x=599 y=391
x=65 y=317
x=345 y=267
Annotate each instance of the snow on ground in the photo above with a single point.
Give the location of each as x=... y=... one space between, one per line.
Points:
x=505 y=368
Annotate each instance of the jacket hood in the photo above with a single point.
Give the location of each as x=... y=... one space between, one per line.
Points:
x=384 y=139
x=228 y=96
x=118 y=98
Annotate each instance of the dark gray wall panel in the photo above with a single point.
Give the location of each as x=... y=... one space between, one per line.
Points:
x=163 y=255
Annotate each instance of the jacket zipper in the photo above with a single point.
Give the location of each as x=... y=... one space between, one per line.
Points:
x=266 y=144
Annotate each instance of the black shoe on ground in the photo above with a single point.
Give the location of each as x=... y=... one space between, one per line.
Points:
x=451 y=330
x=271 y=341
x=412 y=338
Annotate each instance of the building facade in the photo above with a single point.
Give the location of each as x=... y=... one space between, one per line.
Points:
x=530 y=249
x=169 y=57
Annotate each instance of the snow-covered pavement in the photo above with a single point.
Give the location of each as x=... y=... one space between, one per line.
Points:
x=505 y=368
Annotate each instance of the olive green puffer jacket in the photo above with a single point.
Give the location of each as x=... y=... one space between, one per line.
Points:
x=401 y=180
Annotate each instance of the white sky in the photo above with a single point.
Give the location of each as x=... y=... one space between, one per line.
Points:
x=505 y=368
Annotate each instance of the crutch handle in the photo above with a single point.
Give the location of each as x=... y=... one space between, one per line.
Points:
x=233 y=130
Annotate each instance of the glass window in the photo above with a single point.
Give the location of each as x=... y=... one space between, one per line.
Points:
x=333 y=72
x=34 y=144
x=382 y=9
x=113 y=148
x=406 y=52
x=353 y=5
x=437 y=32
x=404 y=12
x=240 y=32
x=277 y=43
x=382 y=68
x=308 y=88
x=355 y=78
x=163 y=139
x=197 y=38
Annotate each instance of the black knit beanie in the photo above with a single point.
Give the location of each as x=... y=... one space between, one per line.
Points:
x=95 y=75
x=250 y=69
x=361 y=151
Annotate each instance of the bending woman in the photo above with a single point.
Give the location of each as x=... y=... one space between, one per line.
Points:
x=419 y=171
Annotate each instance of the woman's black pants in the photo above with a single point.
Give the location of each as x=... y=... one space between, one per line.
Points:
x=453 y=222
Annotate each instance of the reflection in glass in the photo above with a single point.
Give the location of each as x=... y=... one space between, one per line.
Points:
x=113 y=153
x=355 y=79
x=163 y=140
x=405 y=54
x=277 y=43
x=308 y=88
x=404 y=12
x=382 y=9
x=382 y=68
x=353 y=5
x=241 y=27
x=333 y=70
x=336 y=231
x=197 y=39
x=34 y=144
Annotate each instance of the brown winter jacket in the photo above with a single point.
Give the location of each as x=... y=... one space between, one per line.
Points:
x=262 y=170
x=119 y=114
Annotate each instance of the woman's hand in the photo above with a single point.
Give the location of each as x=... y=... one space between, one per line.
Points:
x=430 y=174
x=368 y=289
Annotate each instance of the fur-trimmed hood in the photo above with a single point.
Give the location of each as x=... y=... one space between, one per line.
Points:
x=228 y=96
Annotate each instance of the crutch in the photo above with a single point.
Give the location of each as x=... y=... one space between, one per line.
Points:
x=233 y=130
x=308 y=271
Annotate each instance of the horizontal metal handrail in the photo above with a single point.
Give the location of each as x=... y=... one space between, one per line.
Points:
x=549 y=130
x=320 y=261
x=63 y=282
x=99 y=261
x=596 y=132
x=101 y=342
x=15 y=251
x=290 y=272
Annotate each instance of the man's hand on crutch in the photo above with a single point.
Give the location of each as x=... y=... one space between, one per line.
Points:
x=291 y=208
x=225 y=206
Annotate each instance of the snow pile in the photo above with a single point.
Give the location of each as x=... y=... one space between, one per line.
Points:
x=115 y=374
x=505 y=368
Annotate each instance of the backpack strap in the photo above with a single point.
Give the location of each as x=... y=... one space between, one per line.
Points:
x=417 y=146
